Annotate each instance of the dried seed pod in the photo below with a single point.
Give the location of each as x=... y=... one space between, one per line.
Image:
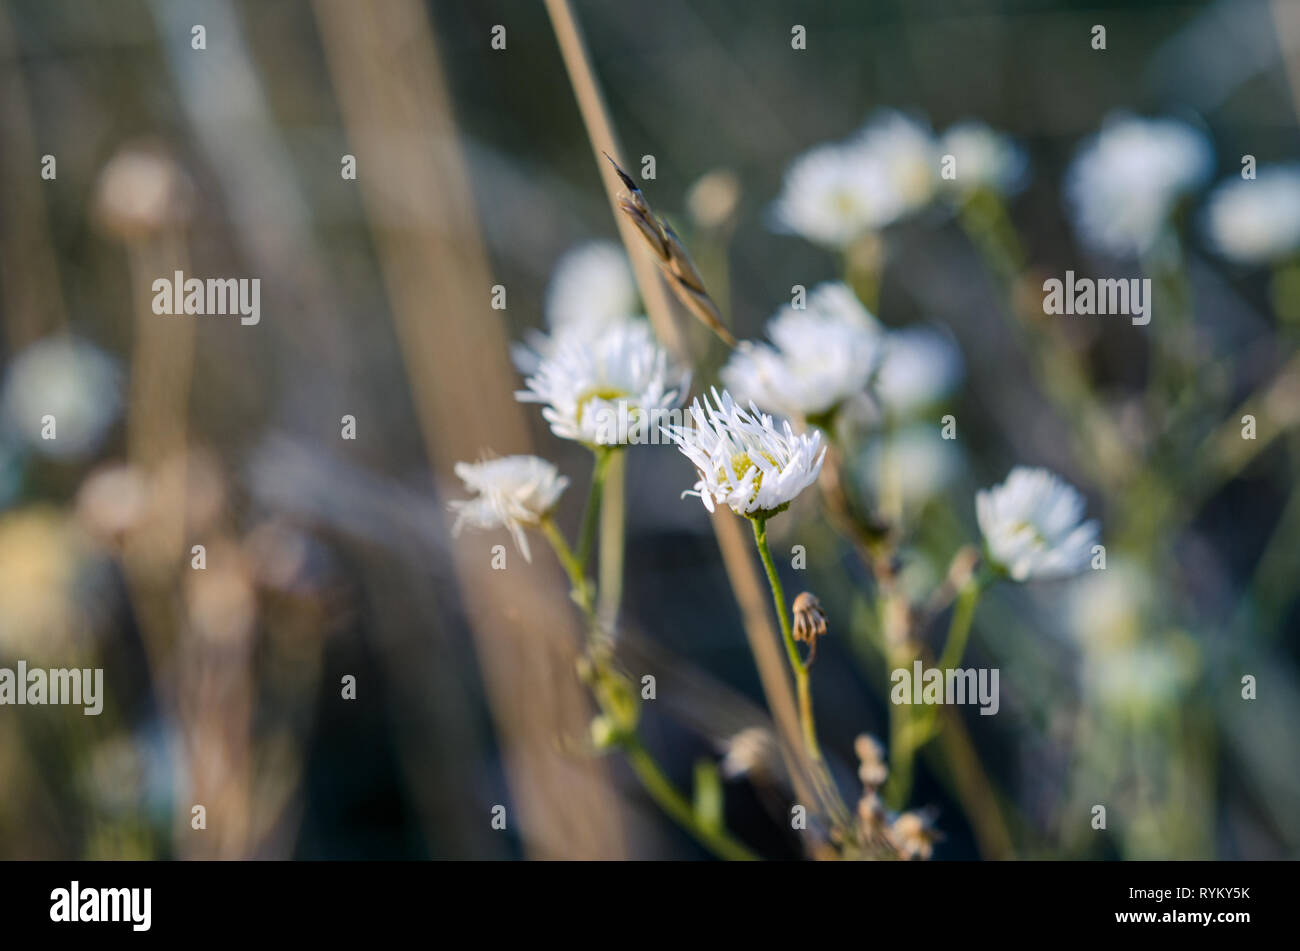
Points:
x=670 y=253
x=809 y=621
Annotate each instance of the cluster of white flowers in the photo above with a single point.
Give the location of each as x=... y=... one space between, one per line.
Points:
x=597 y=373
x=833 y=349
x=1125 y=181
x=835 y=193
x=601 y=363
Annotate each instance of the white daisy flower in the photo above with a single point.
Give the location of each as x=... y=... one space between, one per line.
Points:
x=599 y=391
x=921 y=366
x=1256 y=221
x=511 y=492
x=907 y=150
x=834 y=194
x=743 y=460
x=593 y=287
x=819 y=357
x=1125 y=181
x=1032 y=525
x=985 y=158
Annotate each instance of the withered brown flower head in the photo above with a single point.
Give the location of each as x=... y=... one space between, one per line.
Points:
x=809 y=621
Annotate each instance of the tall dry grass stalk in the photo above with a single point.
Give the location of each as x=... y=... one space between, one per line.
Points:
x=604 y=141
x=391 y=88
x=747 y=585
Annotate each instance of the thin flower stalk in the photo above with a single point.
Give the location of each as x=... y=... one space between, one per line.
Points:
x=602 y=678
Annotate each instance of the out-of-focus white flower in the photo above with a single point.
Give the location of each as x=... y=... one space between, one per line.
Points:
x=751 y=752
x=744 y=460
x=820 y=356
x=71 y=380
x=985 y=158
x=921 y=366
x=1256 y=221
x=1032 y=525
x=510 y=492
x=1125 y=180
x=593 y=288
x=1138 y=681
x=907 y=149
x=1104 y=608
x=595 y=391
x=912 y=465
x=834 y=194
x=838 y=192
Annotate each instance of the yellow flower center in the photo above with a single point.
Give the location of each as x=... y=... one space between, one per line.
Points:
x=1032 y=529
x=608 y=394
x=740 y=466
x=844 y=203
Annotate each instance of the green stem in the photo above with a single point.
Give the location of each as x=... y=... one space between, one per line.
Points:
x=901 y=750
x=665 y=794
x=648 y=771
x=802 y=680
x=863 y=262
x=963 y=613
x=587 y=534
x=612 y=540
x=908 y=731
x=569 y=562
